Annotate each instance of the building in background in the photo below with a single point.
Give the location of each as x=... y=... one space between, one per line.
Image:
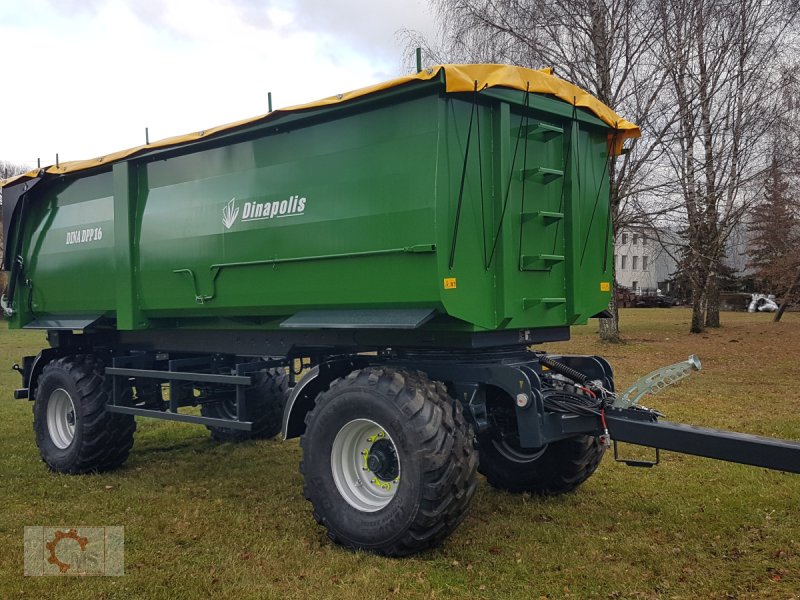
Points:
x=641 y=261
x=645 y=260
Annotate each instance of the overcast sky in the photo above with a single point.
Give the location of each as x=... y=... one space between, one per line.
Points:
x=85 y=77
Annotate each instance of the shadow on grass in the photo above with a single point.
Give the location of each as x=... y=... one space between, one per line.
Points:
x=155 y=447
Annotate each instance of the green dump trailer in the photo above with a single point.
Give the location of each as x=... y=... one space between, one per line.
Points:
x=368 y=272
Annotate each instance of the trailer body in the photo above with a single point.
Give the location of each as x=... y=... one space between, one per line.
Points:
x=347 y=208
x=367 y=273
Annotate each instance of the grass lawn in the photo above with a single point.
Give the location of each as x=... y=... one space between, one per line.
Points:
x=205 y=519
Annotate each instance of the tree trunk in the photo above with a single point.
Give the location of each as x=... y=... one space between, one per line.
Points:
x=781 y=310
x=787 y=298
x=697 y=316
x=609 y=328
x=712 y=301
x=698 y=304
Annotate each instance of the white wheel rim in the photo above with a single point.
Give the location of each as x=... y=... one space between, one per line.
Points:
x=364 y=486
x=61 y=418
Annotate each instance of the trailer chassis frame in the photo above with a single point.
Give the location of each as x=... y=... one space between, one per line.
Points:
x=125 y=369
x=468 y=373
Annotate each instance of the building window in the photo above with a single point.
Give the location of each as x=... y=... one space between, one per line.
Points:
x=635 y=264
x=644 y=241
x=635 y=240
x=644 y=262
x=635 y=285
x=624 y=260
x=624 y=240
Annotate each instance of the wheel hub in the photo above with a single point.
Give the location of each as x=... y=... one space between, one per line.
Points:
x=61 y=418
x=365 y=465
x=382 y=460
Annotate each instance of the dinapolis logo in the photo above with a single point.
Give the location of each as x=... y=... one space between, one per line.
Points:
x=294 y=206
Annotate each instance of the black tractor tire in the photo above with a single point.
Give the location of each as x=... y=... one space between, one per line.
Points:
x=430 y=446
x=98 y=440
x=557 y=468
x=266 y=399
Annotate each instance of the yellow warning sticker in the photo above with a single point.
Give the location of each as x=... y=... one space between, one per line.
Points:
x=449 y=283
x=605 y=286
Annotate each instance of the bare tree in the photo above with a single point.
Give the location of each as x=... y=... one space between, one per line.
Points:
x=604 y=46
x=720 y=57
x=774 y=248
x=787 y=137
x=774 y=224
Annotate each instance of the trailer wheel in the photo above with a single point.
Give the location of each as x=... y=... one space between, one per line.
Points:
x=74 y=432
x=266 y=398
x=388 y=461
x=556 y=468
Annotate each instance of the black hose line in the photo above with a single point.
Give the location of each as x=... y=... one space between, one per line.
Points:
x=564 y=370
x=575 y=404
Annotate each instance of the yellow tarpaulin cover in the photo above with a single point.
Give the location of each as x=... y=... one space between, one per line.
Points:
x=458 y=78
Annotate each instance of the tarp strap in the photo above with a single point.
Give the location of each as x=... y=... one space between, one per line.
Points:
x=609 y=222
x=594 y=210
x=463 y=176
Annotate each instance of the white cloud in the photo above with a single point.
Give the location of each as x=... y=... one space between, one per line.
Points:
x=89 y=76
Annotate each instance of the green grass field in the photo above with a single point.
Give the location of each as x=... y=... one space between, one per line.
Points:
x=206 y=519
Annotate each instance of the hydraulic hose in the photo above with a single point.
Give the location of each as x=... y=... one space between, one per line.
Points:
x=564 y=370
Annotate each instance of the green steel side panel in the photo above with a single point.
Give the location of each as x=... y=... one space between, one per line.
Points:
x=544 y=204
x=346 y=210
x=473 y=297
x=69 y=251
x=589 y=227
x=336 y=215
